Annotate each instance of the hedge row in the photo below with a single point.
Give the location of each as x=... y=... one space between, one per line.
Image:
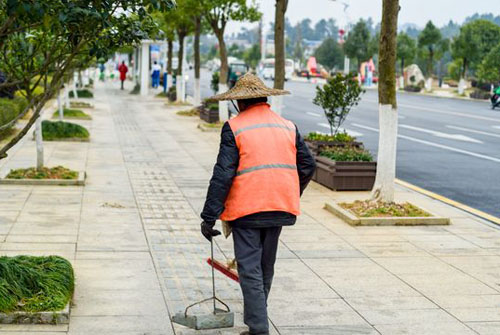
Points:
x=9 y=110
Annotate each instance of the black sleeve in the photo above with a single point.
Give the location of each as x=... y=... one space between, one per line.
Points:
x=222 y=177
x=305 y=162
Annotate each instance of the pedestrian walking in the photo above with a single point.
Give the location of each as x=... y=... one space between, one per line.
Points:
x=155 y=73
x=123 y=69
x=102 y=74
x=262 y=168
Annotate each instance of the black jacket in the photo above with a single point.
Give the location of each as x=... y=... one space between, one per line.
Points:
x=222 y=179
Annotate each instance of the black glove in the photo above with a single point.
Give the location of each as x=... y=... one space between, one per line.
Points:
x=207 y=229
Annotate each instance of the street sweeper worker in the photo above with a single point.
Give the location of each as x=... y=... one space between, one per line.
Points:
x=262 y=168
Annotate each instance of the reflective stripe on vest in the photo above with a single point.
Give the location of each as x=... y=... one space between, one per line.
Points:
x=267 y=177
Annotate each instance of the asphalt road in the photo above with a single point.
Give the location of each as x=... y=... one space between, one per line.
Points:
x=448 y=146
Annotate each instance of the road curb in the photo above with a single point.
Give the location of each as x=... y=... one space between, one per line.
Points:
x=450 y=202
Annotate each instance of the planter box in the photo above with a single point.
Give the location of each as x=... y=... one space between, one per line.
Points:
x=57 y=317
x=80 y=181
x=317 y=146
x=354 y=220
x=206 y=128
x=208 y=115
x=345 y=176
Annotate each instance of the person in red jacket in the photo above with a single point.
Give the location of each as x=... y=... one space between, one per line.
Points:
x=123 y=69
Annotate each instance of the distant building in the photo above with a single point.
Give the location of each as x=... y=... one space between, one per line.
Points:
x=310 y=46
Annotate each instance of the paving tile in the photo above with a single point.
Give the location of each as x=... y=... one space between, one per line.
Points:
x=426 y=328
x=120 y=325
x=485 y=328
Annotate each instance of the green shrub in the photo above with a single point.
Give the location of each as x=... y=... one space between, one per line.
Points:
x=214 y=82
x=347 y=154
x=172 y=94
x=339 y=137
x=9 y=110
x=136 y=89
x=35 y=284
x=72 y=114
x=21 y=103
x=60 y=130
x=214 y=106
x=85 y=93
x=57 y=172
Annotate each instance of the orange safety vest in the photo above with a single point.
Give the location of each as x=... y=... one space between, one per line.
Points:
x=267 y=177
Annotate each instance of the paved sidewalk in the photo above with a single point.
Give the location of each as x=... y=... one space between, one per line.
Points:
x=132 y=234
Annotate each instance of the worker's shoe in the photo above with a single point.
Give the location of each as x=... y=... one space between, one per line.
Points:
x=246 y=332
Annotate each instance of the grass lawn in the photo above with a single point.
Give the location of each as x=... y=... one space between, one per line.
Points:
x=369 y=209
x=57 y=172
x=189 y=112
x=72 y=114
x=80 y=104
x=35 y=284
x=52 y=131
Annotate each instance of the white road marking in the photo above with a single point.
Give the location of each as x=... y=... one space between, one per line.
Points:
x=497 y=127
x=474 y=131
x=472 y=116
x=350 y=132
x=314 y=114
x=437 y=145
x=457 y=137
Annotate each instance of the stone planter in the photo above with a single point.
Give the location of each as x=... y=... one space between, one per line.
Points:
x=354 y=220
x=209 y=115
x=80 y=181
x=58 y=317
x=317 y=146
x=345 y=176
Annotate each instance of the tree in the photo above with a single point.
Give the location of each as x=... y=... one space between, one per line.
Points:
x=388 y=114
x=298 y=51
x=337 y=97
x=40 y=41
x=217 y=15
x=330 y=54
x=357 y=44
x=475 y=41
x=279 y=52
x=251 y=56
x=406 y=49
x=489 y=69
x=429 y=40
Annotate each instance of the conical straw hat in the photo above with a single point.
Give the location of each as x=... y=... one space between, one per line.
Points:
x=248 y=86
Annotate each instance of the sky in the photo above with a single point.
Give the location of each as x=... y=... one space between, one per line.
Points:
x=412 y=11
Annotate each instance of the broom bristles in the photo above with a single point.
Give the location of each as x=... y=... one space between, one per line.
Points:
x=224 y=269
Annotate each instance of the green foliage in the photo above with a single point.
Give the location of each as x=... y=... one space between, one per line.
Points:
x=347 y=154
x=489 y=70
x=213 y=106
x=330 y=54
x=52 y=131
x=9 y=110
x=406 y=49
x=85 y=93
x=338 y=137
x=382 y=209
x=73 y=114
x=35 y=284
x=57 y=172
x=428 y=41
x=455 y=69
x=214 y=82
x=80 y=104
x=251 y=56
x=476 y=40
x=337 y=97
x=357 y=44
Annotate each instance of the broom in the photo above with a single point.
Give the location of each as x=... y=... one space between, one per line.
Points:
x=226 y=269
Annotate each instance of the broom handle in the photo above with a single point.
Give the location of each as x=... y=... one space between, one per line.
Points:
x=213 y=274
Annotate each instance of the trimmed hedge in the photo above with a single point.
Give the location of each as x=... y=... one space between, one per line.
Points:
x=35 y=284
x=62 y=130
x=85 y=93
x=72 y=114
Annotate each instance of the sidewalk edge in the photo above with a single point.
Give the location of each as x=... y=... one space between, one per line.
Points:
x=450 y=202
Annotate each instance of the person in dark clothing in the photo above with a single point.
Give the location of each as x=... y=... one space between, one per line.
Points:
x=262 y=168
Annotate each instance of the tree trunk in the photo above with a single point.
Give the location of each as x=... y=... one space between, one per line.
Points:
x=279 y=57
x=60 y=106
x=388 y=115
x=179 y=74
x=197 y=33
x=39 y=143
x=170 y=50
x=223 y=106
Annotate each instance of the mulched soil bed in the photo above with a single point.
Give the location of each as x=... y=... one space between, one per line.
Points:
x=57 y=172
x=380 y=209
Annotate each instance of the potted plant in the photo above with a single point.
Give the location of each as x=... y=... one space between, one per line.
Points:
x=336 y=97
x=342 y=163
x=345 y=168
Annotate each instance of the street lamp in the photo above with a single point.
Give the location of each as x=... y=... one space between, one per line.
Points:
x=344 y=34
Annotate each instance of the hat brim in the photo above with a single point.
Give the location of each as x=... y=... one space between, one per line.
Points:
x=247 y=94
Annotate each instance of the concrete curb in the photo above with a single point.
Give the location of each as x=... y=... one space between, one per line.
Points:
x=80 y=181
x=56 y=317
x=353 y=220
x=450 y=202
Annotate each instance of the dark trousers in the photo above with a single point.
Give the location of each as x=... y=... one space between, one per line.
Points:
x=122 y=83
x=255 y=251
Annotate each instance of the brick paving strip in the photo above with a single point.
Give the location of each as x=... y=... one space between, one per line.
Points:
x=132 y=234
